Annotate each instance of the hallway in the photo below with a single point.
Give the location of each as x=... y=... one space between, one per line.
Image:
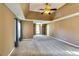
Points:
x=44 y=46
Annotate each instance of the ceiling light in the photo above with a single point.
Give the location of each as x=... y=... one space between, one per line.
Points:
x=47 y=9
x=46 y=12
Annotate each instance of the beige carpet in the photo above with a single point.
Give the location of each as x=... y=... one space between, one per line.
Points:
x=44 y=46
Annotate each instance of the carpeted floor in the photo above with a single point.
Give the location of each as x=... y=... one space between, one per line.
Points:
x=44 y=46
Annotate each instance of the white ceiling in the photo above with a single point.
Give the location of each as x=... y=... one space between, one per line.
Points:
x=37 y=6
x=16 y=9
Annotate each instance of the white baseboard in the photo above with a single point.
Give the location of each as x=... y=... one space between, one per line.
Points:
x=65 y=42
x=11 y=52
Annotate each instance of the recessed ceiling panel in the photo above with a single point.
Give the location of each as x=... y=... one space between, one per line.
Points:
x=37 y=6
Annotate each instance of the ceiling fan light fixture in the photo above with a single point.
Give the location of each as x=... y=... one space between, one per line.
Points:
x=46 y=12
x=47 y=8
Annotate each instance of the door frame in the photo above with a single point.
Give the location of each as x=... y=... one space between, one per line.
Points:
x=18 y=39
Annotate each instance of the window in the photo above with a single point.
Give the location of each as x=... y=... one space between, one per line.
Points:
x=37 y=28
x=19 y=29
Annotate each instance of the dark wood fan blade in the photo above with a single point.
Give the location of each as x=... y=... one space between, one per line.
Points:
x=50 y=9
x=48 y=13
x=54 y=9
x=46 y=3
x=41 y=9
x=42 y=12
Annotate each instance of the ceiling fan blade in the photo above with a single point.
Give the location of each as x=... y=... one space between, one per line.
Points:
x=46 y=3
x=48 y=13
x=54 y=9
x=41 y=9
x=42 y=12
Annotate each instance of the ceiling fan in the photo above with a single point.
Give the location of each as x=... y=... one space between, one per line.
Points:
x=48 y=9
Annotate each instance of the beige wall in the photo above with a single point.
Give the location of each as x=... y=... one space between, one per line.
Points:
x=25 y=8
x=7 y=30
x=67 y=9
x=50 y=29
x=44 y=29
x=27 y=29
x=67 y=29
x=34 y=29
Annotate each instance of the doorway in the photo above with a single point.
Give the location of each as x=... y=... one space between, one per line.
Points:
x=18 y=32
x=40 y=29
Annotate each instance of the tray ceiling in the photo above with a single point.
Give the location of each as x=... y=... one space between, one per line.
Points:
x=36 y=6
